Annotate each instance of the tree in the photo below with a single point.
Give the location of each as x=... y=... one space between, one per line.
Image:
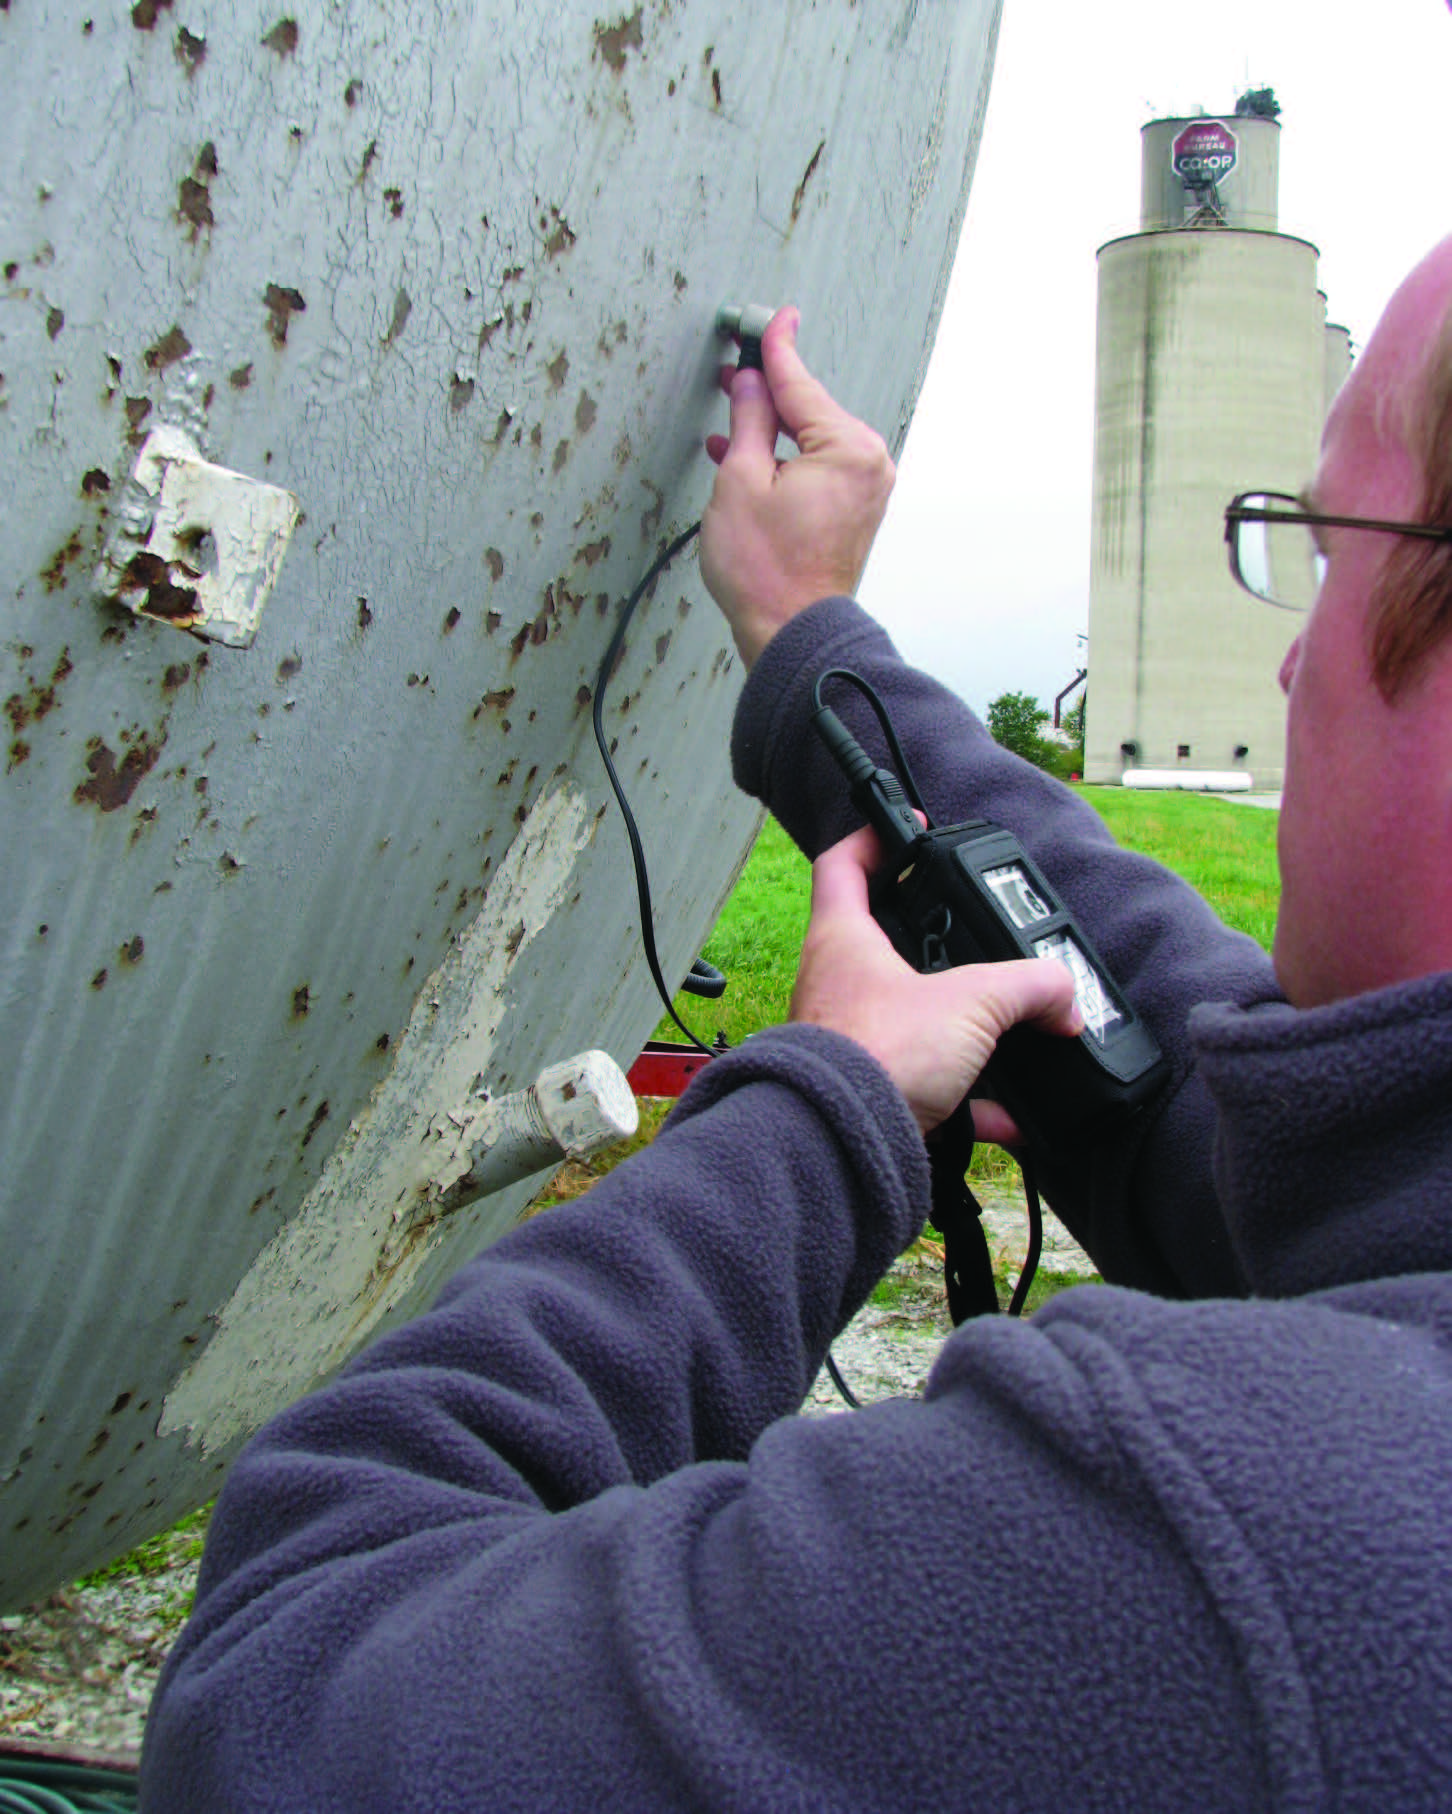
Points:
x=1014 y=720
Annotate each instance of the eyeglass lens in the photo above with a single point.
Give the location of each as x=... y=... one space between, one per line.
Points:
x=1278 y=561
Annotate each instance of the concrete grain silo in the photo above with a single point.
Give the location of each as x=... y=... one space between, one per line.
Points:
x=1216 y=365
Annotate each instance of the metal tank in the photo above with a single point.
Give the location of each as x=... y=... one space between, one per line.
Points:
x=1214 y=364
x=357 y=361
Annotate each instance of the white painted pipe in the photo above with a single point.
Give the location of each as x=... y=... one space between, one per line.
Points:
x=571 y=1109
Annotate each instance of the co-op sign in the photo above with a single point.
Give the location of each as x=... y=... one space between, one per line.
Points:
x=1204 y=153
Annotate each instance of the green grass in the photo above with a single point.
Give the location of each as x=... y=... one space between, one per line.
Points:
x=756 y=943
x=1224 y=850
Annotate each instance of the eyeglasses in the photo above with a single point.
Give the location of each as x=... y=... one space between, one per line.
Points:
x=1274 y=552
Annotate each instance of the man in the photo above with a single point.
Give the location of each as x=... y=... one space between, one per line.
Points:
x=561 y=1543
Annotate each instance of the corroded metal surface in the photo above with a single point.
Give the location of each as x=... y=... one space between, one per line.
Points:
x=446 y=274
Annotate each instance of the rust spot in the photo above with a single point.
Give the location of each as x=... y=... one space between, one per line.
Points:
x=353 y=93
x=110 y=785
x=662 y=646
x=144 y=820
x=365 y=616
x=680 y=282
x=500 y=697
x=402 y=309
x=623 y=452
x=515 y=939
x=281 y=304
x=150 y=574
x=583 y=696
x=594 y=552
x=807 y=175
x=382 y=1043
x=585 y=413
x=452 y=619
x=536 y=441
x=133 y=951
x=137 y=410
x=145 y=13
x=54 y=574
x=394 y=199
x=494 y=560
x=320 y=1115
x=121 y=1403
x=492 y=622
x=98 y=981
x=716 y=87
x=95 y=482
x=289 y=666
x=519 y=641
x=488 y=331
x=614 y=42
x=651 y=519
x=19 y=752
x=683 y=608
x=558 y=369
x=370 y=157
x=282 y=38
x=561 y=239
x=301 y=1002
x=461 y=393
x=194 y=206
x=54 y=322
x=191 y=51
x=562 y=454
x=172 y=346
x=512 y=275
x=176 y=677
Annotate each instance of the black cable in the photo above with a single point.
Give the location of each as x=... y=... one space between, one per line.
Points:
x=841 y=1384
x=1036 y=1239
x=637 y=849
x=895 y=749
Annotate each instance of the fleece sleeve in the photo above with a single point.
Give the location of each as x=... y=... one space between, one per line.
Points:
x=1144 y=1203
x=554 y=1545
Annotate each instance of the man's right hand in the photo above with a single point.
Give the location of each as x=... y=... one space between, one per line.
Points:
x=780 y=534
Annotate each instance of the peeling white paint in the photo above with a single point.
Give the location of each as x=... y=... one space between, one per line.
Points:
x=353 y=1251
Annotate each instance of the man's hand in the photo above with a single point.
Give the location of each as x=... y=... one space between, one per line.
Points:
x=778 y=535
x=931 y=1034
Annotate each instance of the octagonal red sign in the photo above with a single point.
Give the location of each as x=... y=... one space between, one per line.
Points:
x=1204 y=153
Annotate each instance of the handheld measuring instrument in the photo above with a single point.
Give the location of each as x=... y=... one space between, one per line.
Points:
x=970 y=894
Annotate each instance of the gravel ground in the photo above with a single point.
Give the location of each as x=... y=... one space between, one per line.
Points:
x=78 y=1670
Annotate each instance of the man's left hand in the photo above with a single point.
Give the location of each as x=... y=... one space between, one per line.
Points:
x=931 y=1034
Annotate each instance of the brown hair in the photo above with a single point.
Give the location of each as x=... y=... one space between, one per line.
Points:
x=1411 y=611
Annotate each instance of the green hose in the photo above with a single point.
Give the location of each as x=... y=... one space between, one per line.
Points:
x=36 y=1786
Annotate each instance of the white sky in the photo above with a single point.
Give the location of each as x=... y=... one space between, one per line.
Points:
x=981 y=572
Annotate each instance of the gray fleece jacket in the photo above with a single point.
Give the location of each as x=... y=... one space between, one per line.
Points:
x=561 y=1543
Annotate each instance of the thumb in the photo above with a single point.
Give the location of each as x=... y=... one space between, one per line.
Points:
x=1036 y=990
x=803 y=402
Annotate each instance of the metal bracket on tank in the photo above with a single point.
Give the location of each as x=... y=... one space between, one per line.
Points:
x=195 y=545
x=745 y=322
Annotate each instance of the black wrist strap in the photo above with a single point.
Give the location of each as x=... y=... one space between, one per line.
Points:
x=967 y=1264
